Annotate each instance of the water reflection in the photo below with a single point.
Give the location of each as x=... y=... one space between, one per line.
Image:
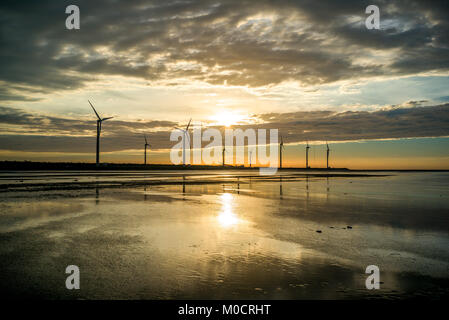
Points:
x=227 y=243
x=280 y=188
x=307 y=189
x=238 y=185
x=97 y=195
x=227 y=217
x=184 y=184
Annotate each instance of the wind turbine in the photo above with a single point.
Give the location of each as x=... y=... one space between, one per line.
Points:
x=146 y=145
x=250 y=157
x=99 y=121
x=281 y=147
x=186 y=134
x=223 y=152
x=327 y=155
x=307 y=155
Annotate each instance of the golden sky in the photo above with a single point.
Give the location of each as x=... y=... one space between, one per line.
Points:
x=309 y=69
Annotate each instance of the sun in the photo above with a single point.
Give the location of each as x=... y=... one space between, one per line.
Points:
x=227 y=118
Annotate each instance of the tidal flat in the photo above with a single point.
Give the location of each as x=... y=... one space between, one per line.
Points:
x=224 y=235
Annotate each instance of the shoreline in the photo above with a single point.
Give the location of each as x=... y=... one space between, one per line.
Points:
x=6 y=166
x=177 y=179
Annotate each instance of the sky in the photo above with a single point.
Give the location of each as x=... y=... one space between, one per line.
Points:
x=310 y=69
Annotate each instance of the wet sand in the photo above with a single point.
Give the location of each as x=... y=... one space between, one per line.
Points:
x=218 y=235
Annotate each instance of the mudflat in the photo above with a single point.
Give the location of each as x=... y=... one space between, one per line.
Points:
x=224 y=235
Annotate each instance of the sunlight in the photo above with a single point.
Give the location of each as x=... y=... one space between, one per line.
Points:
x=227 y=217
x=227 y=118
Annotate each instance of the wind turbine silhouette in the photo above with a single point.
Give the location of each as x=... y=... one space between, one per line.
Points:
x=224 y=150
x=146 y=145
x=186 y=134
x=307 y=155
x=250 y=157
x=99 y=122
x=327 y=155
x=281 y=147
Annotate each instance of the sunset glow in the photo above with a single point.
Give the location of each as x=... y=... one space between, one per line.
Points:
x=313 y=74
x=227 y=118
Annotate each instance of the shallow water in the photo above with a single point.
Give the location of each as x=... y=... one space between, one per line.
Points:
x=225 y=235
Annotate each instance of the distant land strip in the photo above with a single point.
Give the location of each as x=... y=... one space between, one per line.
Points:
x=82 y=166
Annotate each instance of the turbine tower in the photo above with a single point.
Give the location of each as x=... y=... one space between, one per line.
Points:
x=186 y=135
x=307 y=155
x=250 y=157
x=223 y=154
x=327 y=155
x=146 y=145
x=281 y=147
x=99 y=122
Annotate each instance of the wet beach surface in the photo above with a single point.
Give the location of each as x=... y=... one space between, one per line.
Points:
x=218 y=235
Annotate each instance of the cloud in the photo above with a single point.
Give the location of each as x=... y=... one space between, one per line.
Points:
x=407 y=104
x=233 y=42
x=402 y=121
x=22 y=122
x=39 y=133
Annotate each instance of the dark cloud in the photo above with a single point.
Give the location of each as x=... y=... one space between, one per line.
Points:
x=19 y=121
x=40 y=133
x=85 y=144
x=309 y=41
x=394 y=122
x=6 y=94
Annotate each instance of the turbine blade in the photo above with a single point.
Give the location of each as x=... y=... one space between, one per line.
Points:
x=104 y=119
x=188 y=125
x=94 y=110
x=146 y=142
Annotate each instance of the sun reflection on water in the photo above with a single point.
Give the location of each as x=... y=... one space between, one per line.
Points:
x=226 y=217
